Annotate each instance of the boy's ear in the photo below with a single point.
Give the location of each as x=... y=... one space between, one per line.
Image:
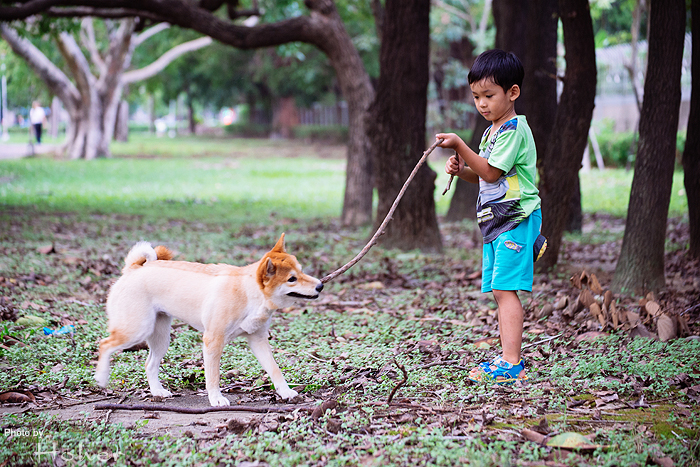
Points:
x=514 y=92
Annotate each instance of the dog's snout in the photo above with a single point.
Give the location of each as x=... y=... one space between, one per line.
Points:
x=319 y=287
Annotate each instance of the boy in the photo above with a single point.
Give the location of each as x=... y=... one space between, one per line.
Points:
x=508 y=208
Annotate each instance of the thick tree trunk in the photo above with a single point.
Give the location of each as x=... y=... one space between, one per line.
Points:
x=397 y=127
x=691 y=153
x=641 y=263
x=334 y=40
x=561 y=163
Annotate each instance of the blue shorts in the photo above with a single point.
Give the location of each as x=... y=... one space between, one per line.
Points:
x=508 y=260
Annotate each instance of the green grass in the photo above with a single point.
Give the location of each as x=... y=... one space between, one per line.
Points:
x=234 y=180
x=229 y=203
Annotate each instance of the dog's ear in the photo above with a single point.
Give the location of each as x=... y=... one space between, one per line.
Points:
x=279 y=246
x=270 y=269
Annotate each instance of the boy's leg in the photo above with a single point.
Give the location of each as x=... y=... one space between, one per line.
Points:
x=510 y=324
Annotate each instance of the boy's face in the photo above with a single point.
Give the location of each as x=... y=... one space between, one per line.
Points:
x=492 y=102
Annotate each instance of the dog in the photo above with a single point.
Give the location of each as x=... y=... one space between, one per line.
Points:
x=220 y=300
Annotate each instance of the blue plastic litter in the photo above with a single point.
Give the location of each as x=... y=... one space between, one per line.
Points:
x=64 y=330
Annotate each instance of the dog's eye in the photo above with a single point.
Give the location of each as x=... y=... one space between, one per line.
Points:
x=292 y=279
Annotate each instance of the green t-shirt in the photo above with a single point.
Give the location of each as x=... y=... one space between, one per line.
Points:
x=502 y=205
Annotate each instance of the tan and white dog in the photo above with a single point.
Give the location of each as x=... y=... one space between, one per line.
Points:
x=220 y=300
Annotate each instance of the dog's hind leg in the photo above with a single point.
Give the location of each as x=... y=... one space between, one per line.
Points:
x=263 y=352
x=213 y=347
x=117 y=340
x=158 y=343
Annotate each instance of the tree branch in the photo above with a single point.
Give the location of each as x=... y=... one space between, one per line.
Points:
x=150 y=32
x=200 y=410
x=55 y=79
x=165 y=60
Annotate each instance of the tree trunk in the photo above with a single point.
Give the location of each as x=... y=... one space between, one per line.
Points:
x=121 y=128
x=691 y=152
x=397 y=130
x=562 y=160
x=641 y=263
x=539 y=93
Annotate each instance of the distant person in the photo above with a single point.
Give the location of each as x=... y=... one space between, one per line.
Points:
x=37 y=117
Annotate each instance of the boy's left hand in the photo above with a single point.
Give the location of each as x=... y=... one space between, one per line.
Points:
x=454 y=165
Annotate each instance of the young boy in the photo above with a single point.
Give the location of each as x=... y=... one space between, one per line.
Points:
x=508 y=208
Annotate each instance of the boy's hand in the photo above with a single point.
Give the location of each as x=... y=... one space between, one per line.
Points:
x=451 y=140
x=454 y=165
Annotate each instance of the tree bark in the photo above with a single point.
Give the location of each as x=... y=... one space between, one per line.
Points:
x=691 y=152
x=397 y=130
x=562 y=160
x=641 y=264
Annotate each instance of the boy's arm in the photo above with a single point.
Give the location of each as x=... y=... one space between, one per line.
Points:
x=478 y=165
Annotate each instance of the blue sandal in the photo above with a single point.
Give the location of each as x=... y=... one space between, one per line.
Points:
x=499 y=371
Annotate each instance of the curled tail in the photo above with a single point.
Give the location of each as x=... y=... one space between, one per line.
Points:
x=143 y=252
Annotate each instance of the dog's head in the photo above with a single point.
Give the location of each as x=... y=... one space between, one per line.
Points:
x=282 y=280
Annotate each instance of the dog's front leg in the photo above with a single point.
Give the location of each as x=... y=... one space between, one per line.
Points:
x=263 y=352
x=213 y=347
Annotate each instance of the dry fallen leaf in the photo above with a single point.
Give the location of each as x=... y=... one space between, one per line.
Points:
x=586 y=298
x=533 y=436
x=562 y=303
x=653 y=308
x=595 y=285
x=666 y=327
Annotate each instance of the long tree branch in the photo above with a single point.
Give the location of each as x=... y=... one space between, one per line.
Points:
x=87 y=35
x=150 y=32
x=165 y=60
x=55 y=79
x=188 y=15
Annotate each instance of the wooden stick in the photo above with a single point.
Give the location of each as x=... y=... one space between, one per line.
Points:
x=382 y=227
x=200 y=410
x=449 y=184
x=401 y=383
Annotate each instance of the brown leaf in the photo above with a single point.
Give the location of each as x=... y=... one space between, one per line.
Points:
x=595 y=285
x=597 y=313
x=586 y=298
x=632 y=318
x=579 y=280
x=561 y=303
x=614 y=315
x=666 y=327
x=682 y=324
x=641 y=331
x=533 y=436
x=607 y=299
x=545 y=311
x=653 y=308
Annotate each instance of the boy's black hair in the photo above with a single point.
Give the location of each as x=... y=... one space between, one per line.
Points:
x=503 y=68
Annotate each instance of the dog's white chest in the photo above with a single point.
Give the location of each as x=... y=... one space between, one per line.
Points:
x=256 y=320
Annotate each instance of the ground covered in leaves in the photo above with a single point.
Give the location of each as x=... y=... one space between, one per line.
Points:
x=380 y=359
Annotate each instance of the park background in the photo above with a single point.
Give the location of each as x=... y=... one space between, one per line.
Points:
x=308 y=118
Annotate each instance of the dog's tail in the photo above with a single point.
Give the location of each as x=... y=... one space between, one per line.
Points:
x=143 y=252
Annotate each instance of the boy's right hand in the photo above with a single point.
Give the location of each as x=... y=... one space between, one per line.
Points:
x=450 y=140
x=454 y=165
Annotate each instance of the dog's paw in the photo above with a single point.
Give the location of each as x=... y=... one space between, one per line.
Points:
x=287 y=393
x=163 y=393
x=101 y=380
x=217 y=400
